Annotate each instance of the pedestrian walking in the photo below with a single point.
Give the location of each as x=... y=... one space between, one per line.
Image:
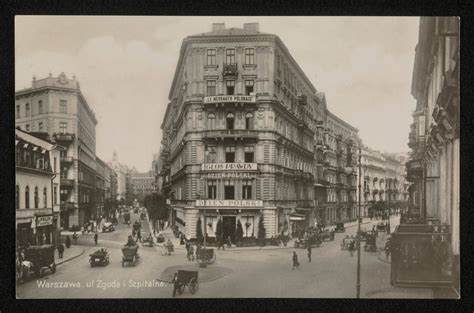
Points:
x=387 y=248
x=60 y=250
x=176 y=285
x=352 y=247
x=191 y=253
x=309 y=253
x=96 y=238
x=296 y=263
x=139 y=236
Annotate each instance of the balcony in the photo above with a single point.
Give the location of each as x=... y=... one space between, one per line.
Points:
x=235 y=134
x=64 y=137
x=230 y=70
x=66 y=182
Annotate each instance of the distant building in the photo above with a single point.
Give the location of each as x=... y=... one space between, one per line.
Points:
x=37 y=190
x=143 y=184
x=57 y=106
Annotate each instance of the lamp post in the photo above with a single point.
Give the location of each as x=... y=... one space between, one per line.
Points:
x=388 y=222
x=349 y=171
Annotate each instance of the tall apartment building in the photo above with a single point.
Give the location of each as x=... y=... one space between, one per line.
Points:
x=433 y=168
x=239 y=133
x=56 y=105
x=142 y=184
x=101 y=188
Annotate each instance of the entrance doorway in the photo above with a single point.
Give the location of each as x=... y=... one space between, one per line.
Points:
x=228 y=223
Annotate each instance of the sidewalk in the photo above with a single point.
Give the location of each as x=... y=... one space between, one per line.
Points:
x=69 y=254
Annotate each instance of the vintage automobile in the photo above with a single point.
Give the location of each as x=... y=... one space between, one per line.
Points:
x=327 y=235
x=130 y=254
x=41 y=257
x=108 y=227
x=340 y=228
x=99 y=257
x=205 y=256
x=147 y=239
x=370 y=245
x=381 y=227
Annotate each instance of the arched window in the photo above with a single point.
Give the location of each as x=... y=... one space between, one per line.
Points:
x=27 y=197
x=230 y=120
x=211 y=121
x=249 y=121
x=17 y=197
x=36 y=198
x=45 y=197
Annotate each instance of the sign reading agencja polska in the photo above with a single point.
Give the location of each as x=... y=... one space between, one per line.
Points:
x=229 y=167
x=230 y=203
x=220 y=99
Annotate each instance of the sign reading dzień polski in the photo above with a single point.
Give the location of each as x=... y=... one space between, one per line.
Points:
x=44 y=220
x=220 y=99
x=229 y=166
x=238 y=203
x=230 y=175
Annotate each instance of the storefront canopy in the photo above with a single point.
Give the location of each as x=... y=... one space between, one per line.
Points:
x=297 y=217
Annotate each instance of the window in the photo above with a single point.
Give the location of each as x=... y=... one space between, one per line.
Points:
x=40 y=126
x=45 y=197
x=211 y=154
x=230 y=154
x=249 y=121
x=27 y=109
x=248 y=87
x=249 y=154
x=211 y=57
x=211 y=88
x=63 y=127
x=211 y=189
x=54 y=163
x=18 y=111
x=62 y=106
x=27 y=127
x=229 y=189
x=230 y=86
x=249 y=55
x=55 y=195
x=36 y=198
x=17 y=197
x=421 y=126
x=230 y=56
x=211 y=121
x=40 y=107
x=246 y=189
x=230 y=121
x=27 y=197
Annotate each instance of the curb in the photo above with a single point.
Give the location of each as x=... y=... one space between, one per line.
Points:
x=72 y=258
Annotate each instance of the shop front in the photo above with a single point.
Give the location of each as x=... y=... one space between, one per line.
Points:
x=24 y=234
x=44 y=229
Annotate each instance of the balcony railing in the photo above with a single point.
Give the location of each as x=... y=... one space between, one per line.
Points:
x=302 y=99
x=230 y=133
x=64 y=137
x=229 y=69
x=66 y=182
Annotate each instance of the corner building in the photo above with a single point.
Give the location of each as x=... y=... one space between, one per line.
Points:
x=238 y=134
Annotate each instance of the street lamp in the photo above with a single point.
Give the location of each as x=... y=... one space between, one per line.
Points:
x=349 y=170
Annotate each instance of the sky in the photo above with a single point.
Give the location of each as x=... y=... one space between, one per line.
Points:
x=125 y=66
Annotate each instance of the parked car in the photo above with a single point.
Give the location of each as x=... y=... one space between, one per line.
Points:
x=108 y=227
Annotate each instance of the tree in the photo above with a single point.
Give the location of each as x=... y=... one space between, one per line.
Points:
x=261 y=232
x=219 y=230
x=199 y=234
x=239 y=233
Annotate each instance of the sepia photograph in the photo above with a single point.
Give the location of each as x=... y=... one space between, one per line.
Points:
x=180 y=157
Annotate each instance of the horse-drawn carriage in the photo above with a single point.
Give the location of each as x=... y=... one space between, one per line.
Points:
x=205 y=256
x=130 y=254
x=327 y=235
x=313 y=240
x=147 y=240
x=370 y=245
x=99 y=257
x=188 y=279
x=346 y=243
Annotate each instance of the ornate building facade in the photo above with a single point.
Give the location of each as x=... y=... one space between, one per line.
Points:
x=433 y=168
x=57 y=106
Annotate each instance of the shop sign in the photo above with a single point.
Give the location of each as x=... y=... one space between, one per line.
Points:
x=44 y=220
x=229 y=166
x=220 y=99
x=230 y=175
x=230 y=203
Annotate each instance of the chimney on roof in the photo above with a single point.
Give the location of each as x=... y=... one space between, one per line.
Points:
x=218 y=26
x=251 y=27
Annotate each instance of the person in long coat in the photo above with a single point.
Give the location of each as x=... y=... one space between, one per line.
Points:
x=296 y=263
x=309 y=253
